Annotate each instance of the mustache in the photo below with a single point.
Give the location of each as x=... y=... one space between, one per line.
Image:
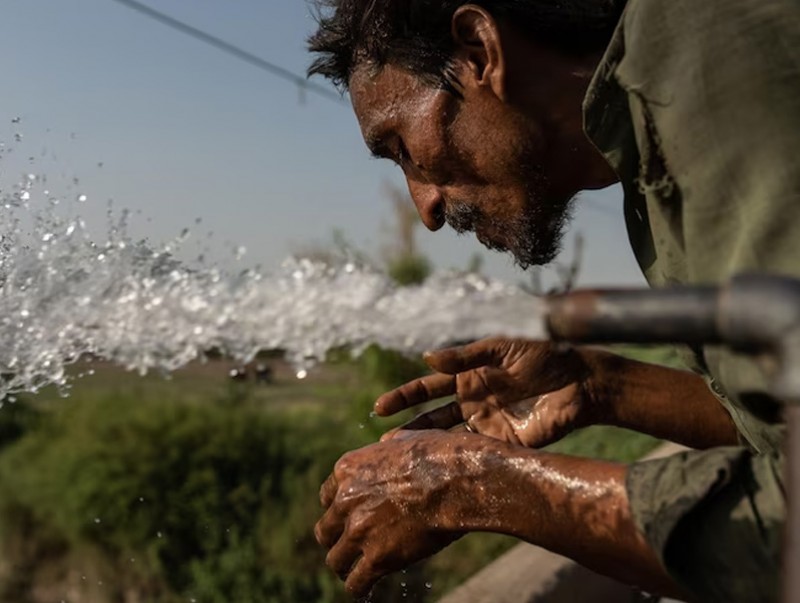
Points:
x=462 y=216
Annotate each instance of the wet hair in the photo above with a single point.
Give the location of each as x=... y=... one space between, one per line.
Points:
x=416 y=34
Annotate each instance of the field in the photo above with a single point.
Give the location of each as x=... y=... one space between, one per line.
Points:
x=203 y=487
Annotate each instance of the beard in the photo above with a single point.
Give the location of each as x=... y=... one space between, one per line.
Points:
x=533 y=237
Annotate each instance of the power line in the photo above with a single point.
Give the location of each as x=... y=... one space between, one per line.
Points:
x=301 y=82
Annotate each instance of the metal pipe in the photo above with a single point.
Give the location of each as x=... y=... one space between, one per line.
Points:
x=636 y=316
x=754 y=314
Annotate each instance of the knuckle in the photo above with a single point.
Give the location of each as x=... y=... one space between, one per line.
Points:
x=358 y=526
x=318 y=532
x=343 y=466
x=360 y=583
x=336 y=564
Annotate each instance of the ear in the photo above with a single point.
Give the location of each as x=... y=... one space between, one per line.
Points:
x=477 y=47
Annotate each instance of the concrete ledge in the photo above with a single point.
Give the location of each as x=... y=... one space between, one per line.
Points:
x=530 y=574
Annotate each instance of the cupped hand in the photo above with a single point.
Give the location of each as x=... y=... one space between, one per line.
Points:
x=522 y=392
x=393 y=503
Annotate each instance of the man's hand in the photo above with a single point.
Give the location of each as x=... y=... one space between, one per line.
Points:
x=391 y=504
x=532 y=393
x=521 y=392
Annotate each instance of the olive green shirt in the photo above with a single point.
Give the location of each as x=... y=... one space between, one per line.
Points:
x=696 y=104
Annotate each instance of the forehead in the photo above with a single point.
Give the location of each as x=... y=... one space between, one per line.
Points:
x=383 y=98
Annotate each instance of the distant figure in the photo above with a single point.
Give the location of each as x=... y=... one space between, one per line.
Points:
x=238 y=374
x=263 y=373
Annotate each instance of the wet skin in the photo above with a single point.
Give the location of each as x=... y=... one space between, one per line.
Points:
x=534 y=393
x=510 y=153
x=503 y=160
x=394 y=503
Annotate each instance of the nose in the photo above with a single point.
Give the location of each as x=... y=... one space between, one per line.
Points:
x=430 y=203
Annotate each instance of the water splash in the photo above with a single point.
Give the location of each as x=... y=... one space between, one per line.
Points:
x=64 y=295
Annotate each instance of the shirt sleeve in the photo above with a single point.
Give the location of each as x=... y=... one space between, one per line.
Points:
x=713 y=90
x=715 y=520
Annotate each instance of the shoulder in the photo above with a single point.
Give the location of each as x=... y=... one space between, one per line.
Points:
x=681 y=37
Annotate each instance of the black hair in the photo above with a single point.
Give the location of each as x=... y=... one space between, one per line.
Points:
x=416 y=34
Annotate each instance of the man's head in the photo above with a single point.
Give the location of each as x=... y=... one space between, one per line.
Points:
x=479 y=103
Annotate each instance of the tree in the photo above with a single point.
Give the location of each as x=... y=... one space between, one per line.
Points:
x=404 y=263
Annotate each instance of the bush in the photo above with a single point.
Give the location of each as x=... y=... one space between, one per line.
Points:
x=192 y=500
x=16 y=418
x=409 y=269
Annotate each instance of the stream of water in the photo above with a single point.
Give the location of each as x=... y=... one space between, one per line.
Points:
x=64 y=295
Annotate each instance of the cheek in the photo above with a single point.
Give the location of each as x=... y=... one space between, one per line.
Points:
x=495 y=149
x=429 y=137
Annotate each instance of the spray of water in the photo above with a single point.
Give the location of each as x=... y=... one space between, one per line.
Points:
x=64 y=295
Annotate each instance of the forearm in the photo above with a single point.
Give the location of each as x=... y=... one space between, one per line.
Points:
x=667 y=403
x=574 y=507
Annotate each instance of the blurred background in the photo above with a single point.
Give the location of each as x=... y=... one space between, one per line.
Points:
x=202 y=485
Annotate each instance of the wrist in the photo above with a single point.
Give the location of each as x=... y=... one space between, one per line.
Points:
x=499 y=491
x=602 y=387
x=477 y=493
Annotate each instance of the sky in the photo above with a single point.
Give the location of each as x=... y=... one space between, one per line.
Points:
x=116 y=106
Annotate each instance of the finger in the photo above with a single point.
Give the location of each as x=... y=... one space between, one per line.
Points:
x=415 y=392
x=328 y=491
x=343 y=557
x=391 y=434
x=443 y=417
x=329 y=529
x=451 y=361
x=362 y=578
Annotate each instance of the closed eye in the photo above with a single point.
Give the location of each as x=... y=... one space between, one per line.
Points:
x=403 y=155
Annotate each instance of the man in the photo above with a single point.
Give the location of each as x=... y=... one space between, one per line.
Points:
x=498 y=113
